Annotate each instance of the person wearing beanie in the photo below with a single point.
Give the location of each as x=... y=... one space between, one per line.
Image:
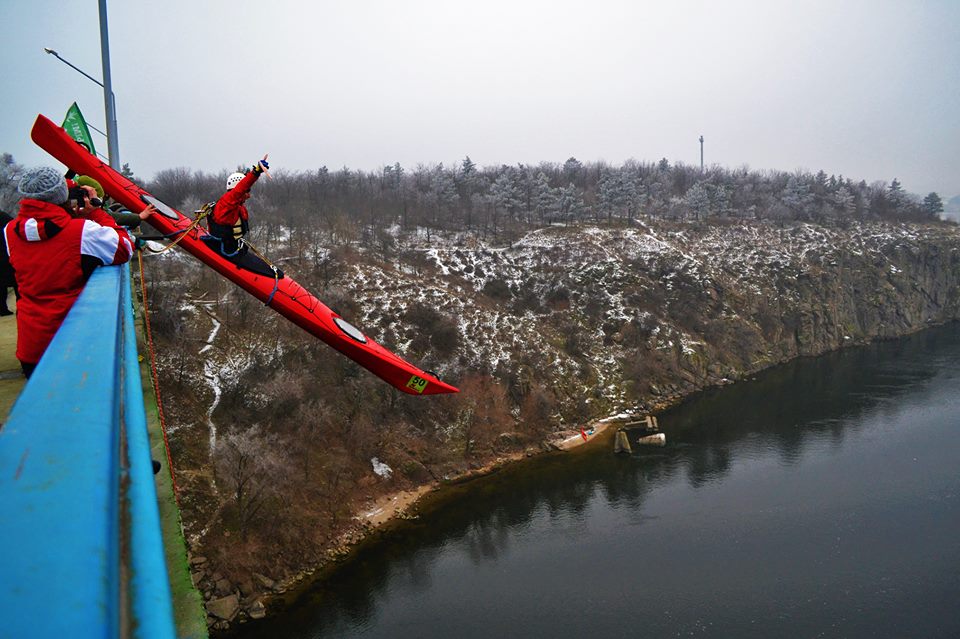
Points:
x=86 y=180
x=44 y=184
x=229 y=222
x=54 y=244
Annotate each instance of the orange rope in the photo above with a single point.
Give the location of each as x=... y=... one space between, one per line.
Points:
x=156 y=380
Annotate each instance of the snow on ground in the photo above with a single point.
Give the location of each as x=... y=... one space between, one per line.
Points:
x=212 y=336
x=212 y=377
x=381 y=469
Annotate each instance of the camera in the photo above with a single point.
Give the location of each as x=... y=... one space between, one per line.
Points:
x=79 y=194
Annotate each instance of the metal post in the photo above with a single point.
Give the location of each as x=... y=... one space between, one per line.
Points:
x=109 y=103
x=701 y=154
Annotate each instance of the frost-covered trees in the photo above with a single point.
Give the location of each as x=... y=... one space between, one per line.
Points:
x=505 y=196
x=932 y=204
x=570 y=205
x=346 y=203
x=895 y=193
x=697 y=200
x=443 y=194
x=619 y=194
x=844 y=201
x=545 y=198
x=797 y=197
x=469 y=184
x=9 y=175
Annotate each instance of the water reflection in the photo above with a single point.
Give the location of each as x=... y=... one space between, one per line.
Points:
x=622 y=515
x=787 y=408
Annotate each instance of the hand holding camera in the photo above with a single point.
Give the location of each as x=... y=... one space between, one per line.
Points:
x=83 y=199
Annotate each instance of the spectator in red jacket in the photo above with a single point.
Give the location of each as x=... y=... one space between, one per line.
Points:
x=54 y=244
x=229 y=222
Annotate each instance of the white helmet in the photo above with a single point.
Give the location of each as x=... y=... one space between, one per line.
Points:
x=234 y=179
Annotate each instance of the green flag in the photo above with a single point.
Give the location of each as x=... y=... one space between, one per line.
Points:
x=76 y=126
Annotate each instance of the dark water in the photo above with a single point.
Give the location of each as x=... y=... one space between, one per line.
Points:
x=819 y=500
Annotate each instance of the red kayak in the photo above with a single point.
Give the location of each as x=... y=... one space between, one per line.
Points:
x=255 y=276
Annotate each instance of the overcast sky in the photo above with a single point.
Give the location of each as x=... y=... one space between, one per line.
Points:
x=868 y=89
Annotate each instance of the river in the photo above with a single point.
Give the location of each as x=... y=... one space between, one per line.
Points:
x=818 y=500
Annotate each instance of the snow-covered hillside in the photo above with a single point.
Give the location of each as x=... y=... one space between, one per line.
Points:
x=561 y=326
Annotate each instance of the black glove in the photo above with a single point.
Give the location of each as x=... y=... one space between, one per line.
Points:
x=261 y=166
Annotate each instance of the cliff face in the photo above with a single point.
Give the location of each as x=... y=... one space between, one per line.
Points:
x=279 y=442
x=633 y=310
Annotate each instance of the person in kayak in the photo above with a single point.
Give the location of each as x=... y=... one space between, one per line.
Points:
x=56 y=241
x=229 y=222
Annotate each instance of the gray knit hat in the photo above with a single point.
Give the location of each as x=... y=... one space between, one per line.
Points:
x=44 y=183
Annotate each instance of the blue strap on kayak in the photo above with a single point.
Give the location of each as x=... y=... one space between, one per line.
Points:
x=214 y=237
x=276 y=276
x=276 y=285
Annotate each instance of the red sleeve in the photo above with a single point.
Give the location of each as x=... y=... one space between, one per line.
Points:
x=108 y=244
x=102 y=218
x=246 y=182
x=227 y=210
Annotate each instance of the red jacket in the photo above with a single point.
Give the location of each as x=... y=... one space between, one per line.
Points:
x=230 y=207
x=53 y=255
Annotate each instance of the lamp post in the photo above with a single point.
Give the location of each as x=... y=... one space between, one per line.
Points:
x=109 y=102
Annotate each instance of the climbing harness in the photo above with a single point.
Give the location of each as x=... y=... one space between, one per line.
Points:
x=222 y=252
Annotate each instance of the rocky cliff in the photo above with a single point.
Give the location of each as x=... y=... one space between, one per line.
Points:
x=279 y=443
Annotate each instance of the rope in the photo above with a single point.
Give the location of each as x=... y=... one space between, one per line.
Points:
x=165 y=236
x=276 y=274
x=202 y=213
x=156 y=379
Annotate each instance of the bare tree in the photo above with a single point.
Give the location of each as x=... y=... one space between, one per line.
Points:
x=249 y=465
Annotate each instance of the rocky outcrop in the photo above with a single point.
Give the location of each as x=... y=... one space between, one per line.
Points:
x=225 y=608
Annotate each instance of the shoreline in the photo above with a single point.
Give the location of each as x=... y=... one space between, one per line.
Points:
x=391 y=508
x=392 y=505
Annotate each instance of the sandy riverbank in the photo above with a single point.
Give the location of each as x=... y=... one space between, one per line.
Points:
x=380 y=512
x=578 y=438
x=386 y=507
x=389 y=506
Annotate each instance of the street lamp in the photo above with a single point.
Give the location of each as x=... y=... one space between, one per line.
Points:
x=72 y=66
x=109 y=102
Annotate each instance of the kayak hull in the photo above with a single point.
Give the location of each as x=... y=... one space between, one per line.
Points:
x=283 y=295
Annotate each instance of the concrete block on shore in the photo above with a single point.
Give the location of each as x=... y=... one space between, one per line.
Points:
x=657 y=439
x=621 y=443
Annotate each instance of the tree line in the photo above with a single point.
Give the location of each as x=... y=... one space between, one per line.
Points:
x=494 y=201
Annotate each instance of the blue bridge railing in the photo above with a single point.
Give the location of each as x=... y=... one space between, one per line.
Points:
x=81 y=553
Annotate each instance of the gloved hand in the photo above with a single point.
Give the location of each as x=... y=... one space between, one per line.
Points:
x=261 y=166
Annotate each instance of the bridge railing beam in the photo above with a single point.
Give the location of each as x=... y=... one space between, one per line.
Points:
x=80 y=544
